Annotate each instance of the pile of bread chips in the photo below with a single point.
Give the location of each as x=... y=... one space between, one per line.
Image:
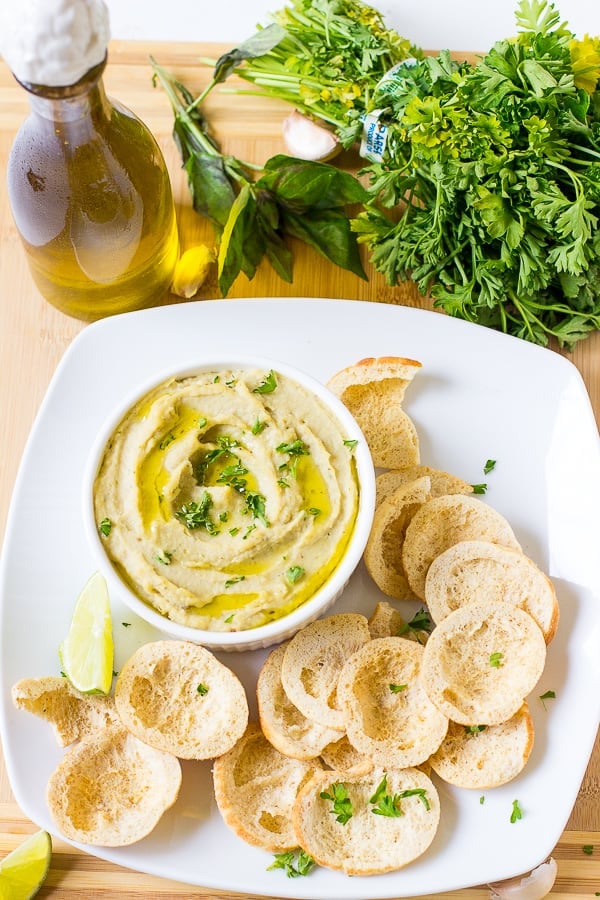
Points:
x=355 y=713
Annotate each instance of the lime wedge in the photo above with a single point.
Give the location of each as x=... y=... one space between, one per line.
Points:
x=86 y=654
x=23 y=871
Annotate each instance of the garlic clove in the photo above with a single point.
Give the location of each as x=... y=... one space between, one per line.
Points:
x=305 y=139
x=192 y=270
x=534 y=886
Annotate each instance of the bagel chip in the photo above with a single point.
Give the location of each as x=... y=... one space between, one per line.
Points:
x=373 y=390
x=444 y=521
x=393 y=818
x=313 y=661
x=482 y=661
x=111 y=790
x=383 y=551
x=72 y=715
x=460 y=574
x=282 y=723
x=177 y=697
x=485 y=756
x=255 y=789
x=389 y=717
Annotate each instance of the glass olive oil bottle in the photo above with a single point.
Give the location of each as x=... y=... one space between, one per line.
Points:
x=91 y=198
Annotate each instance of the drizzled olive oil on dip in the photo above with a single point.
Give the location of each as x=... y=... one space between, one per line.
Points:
x=227 y=498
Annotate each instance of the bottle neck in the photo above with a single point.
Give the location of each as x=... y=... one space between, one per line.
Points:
x=71 y=102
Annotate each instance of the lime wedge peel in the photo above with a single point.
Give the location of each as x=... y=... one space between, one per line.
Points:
x=87 y=653
x=24 y=870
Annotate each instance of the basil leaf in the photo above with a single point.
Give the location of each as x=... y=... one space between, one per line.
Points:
x=327 y=231
x=301 y=184
x=231 y=249
x=210 y=188
x=261 y=42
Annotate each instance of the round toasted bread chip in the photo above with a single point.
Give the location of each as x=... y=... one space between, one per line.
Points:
x=73 y=716
x=383 y=552
x=441 y=483
x=282 y=723
x=368 y=843
x=482 y=661
x=111 y=790
x=389 y=716
x=177 y=696
x=444 y=521
x=373 y=390
x=313 y=661
x=255 y=789
x=485 y=756
x=470 y=569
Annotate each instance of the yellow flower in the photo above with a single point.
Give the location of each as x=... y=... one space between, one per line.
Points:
x=192 y=270
x=585 y=60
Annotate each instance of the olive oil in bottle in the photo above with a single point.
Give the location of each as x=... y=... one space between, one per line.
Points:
x=91 y=198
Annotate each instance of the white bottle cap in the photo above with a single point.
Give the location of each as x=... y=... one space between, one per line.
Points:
x=53 y=42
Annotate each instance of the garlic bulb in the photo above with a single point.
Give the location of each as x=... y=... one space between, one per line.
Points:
x=527 y=887
x=306 y=139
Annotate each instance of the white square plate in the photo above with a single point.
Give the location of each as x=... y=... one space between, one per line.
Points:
x=480 y=395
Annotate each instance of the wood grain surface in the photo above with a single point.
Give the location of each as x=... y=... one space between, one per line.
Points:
x=34 y=336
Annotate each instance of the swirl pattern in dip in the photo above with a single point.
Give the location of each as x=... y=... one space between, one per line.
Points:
x=226 y=499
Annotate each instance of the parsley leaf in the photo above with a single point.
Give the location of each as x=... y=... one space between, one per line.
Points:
x=197 y=515
x=295 y=863
x=267 y=386
x=342 y=804
x=516 y=813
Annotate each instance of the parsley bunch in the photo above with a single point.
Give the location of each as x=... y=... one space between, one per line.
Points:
x=329 y=56
x=496 y=167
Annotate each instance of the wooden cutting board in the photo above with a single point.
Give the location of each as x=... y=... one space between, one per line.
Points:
x=34 y=336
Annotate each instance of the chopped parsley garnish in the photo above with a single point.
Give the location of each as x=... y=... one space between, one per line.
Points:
x=421 y=621
x=224 y=516
x=294 y=574
x=268 y=385
x=496 y=660
x=258 y=427
x=342 y=805
x=293 y=865
x=248 y=531
x=126 y=624
x=225 y=444
x=294 y=448
x=588 y=849
x=229 y=619
x=202 y=422
x=168 y=439
x=351 y=443
x=475 y=729
x=202 y=689
x=479 y=488
x=233 y=531
x=232 y=476
x=396 y=688
x=549 y=695
x=481 y=800
x=231 y=581
x=516 y=813
x=255 y=503
x=163 y=557
x=489 y=466
x=385 y=804
x=314 y=511
x=105 y=527
x=196 y=515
